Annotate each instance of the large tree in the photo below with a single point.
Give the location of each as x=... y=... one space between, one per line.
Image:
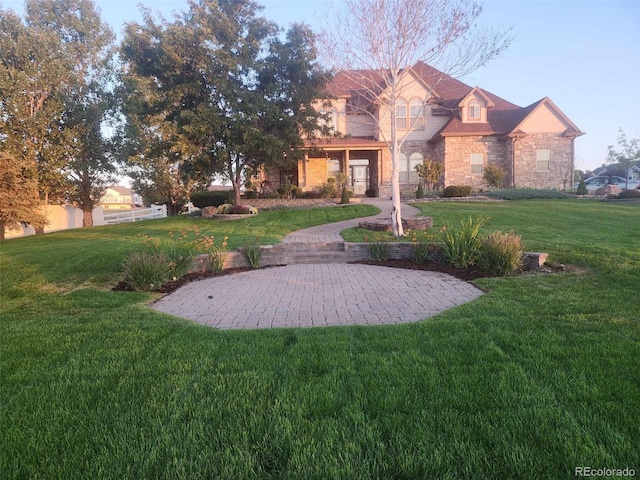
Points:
x=19 y=203
x=215 y=92
x=387 y=37
x=31 y=77
x=87 y=48
x=55 y=69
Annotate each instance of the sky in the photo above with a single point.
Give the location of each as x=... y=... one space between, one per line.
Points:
x=583 y=55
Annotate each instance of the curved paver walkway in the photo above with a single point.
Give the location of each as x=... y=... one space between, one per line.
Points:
x=330 y=232
x=319 y=295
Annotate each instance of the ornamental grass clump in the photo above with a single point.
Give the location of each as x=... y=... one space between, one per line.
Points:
x=165 y=259
x=253 y=253
x=461 y=245
x=500 y=253
x=379 y=251
x=146 y=271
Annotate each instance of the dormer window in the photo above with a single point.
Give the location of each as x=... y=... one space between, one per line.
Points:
x=474 y=110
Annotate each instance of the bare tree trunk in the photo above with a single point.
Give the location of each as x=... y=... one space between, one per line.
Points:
x=87 y=218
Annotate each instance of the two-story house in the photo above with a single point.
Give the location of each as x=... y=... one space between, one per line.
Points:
x=466 y=128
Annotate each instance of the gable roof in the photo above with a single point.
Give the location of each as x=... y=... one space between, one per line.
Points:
x=503 y=117
x=121 y=190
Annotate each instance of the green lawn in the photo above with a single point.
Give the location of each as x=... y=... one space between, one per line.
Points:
x=531 y=380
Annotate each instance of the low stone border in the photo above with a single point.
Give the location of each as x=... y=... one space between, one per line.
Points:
x=332 y=252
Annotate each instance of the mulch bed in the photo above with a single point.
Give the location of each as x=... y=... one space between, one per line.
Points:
x=466 y=274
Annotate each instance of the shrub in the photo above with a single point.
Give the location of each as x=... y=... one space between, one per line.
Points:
x=328 y=189
x=582 y=188
x=146 y=271
x=457 y=191
x=527 y=194
x=629 y=194
x=494 y=176
x=209 y=199
x=344 y=198
x=242 y=210
x=379 y=251
x=420 y=191
x=461 y=246
x=500 y=253
x=225 y=208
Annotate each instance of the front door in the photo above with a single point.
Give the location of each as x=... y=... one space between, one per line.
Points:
x=359 y=179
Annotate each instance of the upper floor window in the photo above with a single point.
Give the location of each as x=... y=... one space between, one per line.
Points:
x=474 y=110
x=416 y=111
x=401 y=114
x=543 y=157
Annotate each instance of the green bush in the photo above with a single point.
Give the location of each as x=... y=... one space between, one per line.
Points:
x=500 y=253
x=344 y=198
x=420 y=191
x=582 y=188
x=494 y=176
x=461 y=246
x=457 y=191
x=526 y=194
x=209 y=199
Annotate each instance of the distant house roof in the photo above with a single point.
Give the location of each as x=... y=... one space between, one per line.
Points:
x=121 y=190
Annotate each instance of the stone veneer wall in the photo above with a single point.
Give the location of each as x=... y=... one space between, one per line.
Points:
x=458 y=152
x=561 y=154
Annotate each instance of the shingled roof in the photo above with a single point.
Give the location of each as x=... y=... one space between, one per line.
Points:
x=502 y=117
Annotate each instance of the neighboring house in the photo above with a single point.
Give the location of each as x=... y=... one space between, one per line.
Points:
x=120 y=198
x=466 y=128
x=633 y=174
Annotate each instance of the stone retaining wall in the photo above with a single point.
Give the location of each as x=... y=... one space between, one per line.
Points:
x=267 y=203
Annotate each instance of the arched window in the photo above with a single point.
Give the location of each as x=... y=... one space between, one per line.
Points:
x=474 y=110
x=401 y=114
x=415 y=159
x=416 y=112
x=403 y=165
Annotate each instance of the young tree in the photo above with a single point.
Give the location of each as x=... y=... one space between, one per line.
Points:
x=430 y=172
x=628 y=154
x=390 y=36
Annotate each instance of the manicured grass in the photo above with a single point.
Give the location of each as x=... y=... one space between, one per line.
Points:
x=531 y=380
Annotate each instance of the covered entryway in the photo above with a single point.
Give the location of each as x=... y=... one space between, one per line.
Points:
x=358 y=158
x=359 y=176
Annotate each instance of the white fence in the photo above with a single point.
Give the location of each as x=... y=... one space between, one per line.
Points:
x=67 y=217
x=155 y=211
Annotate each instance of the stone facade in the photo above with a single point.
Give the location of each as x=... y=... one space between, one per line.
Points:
x=457 y=159
x=560 y=163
